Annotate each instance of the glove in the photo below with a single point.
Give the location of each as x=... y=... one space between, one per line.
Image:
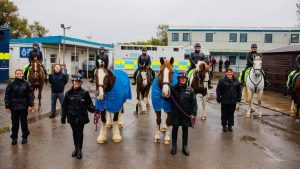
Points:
x=63 y=121
x=219 y=100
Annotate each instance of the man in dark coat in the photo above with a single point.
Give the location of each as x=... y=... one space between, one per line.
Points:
x=103 y=57
x=184 y=105
x=144 y=61
x=18 y=101
x=76 y=103
x=228 y=94
x=58 y=80
x=220 y=65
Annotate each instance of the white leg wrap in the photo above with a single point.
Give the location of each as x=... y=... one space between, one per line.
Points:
x=120 y=120
x=101 y=139
x=167 y=139
x=108 y=120
x=157 y=135
x=116 y=133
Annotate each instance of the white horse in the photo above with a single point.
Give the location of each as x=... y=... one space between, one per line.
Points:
x=254 y=85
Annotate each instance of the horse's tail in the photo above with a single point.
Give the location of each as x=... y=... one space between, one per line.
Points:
x=245 y=94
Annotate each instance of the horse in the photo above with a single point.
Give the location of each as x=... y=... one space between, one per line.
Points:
x=36 y=78
x=198 y=80
x=161 y=92
x=114 y=90
x=144 y=82
x=254 y=85
x=296 y=97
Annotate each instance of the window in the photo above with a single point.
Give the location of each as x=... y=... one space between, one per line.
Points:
x=243 y=57
x=268 y=38
x=91 y=57
x=123 y=47
x=232 y=37
x=243 y=37
x=175 y=49
x=73 y=59
x=148 y=48
x=186 y=37
x=186 y=56
x=232 y=60
x=209 y=37
x=154 y=48
x=136 y=48
x=129 y=47
x=53 y=58
x=175 y=36
x=295 y=38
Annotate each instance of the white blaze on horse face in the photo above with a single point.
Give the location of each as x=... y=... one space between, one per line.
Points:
x=101 y=75
x=166 y=87
x=144 y=78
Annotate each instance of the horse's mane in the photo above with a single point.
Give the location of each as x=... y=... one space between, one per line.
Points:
x=202 y=63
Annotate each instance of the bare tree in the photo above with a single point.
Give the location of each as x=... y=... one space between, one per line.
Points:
x=37 y=29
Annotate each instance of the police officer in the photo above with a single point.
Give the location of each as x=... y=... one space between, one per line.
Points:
x=18 y=101
x=76 y=103
x=35 y=52
x=198 y=56
x=250 y=58
x=228 y=93
x=293 y=73
x=103 y=57
x=143 y=60
x=184 y=105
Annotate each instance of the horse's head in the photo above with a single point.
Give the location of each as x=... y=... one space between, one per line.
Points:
x=101 y=63
x=146 y=77
x=165 y=76
x=101 y=81
x=257 y=64
x=201 y=69
x=36 y=68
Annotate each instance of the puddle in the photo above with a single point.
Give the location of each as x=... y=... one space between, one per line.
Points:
x=247 y=138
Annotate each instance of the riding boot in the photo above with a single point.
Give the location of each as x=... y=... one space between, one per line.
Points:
x=74 y=153
x=209 y=85
x=14 y=141
x=79 y=154
x=174 y=140
x=185 y=150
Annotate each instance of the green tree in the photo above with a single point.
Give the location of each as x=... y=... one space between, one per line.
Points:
x=10 y=17
x=36 y=29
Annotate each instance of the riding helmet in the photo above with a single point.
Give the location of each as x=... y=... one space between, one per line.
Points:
x=197 y=45
x=254 y=45
x=182 y=73
x=35 y=44
x=76 y=77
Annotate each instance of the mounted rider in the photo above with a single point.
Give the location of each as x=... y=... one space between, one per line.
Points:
x=250 y=58
x=144 y=61
x=103 y=57
x=198 y=56
x=293 y=74
x=35 y=52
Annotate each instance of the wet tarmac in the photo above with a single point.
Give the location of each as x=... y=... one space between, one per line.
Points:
x=270 y=142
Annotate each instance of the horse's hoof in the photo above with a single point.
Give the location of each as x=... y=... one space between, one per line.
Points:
x=156 y=140
x=109 y=126
x=167 y=142
x=148 y=105
x=117 y=140
x=248 y=115
x=163 y=129
x=203 y=118
x=101 y=141
x=120 y=125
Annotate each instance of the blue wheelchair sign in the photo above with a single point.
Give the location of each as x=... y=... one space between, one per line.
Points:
x=24 y=52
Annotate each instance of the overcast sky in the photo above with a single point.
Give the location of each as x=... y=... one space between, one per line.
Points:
x=112 y=21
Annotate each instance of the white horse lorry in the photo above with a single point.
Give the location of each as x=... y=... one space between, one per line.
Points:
x=126 y=56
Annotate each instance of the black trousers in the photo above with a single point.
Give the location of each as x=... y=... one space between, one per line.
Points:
x=77 y=134
x=185 y=135
x=227 y=114
x=18 y=116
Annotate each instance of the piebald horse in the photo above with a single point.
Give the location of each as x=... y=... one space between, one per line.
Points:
x=37 y=79
x=105 y=81
x=296 y=98
x=161 y=91
x=199 y=81
x=144 y=82
x=254 y=85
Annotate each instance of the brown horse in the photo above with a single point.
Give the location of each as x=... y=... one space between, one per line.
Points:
x=161 y=90
x=144 y=82
x=296 y=98
x=199 y=81
x=37 y=79
x=107 y=83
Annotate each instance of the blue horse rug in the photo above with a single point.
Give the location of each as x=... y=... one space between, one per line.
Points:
x=114 y=99
x=158 y=101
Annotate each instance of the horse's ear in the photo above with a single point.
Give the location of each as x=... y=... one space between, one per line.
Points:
x=162 y=61
x=171 y=60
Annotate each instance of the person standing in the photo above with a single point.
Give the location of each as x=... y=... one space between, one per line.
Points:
x=220 y=65
x=19 y=101
x=228 y=94
x=76 y=103
x=184 y=109
x=57 y=80
x=227 y=64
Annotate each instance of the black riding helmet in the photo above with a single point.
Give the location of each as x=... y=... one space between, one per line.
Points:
x=183 y=74
x=102 y=48
x=197 y=45
x=35 y=44
x=76 y=77
x=254 y=45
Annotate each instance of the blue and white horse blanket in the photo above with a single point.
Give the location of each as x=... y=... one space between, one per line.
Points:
x=158 y=101
x=114 y=99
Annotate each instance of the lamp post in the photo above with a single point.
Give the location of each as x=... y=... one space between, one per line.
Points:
x=87 y=59
x=64 y=45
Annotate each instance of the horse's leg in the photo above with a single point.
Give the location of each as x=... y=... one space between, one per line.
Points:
x=101 y=139
x=120 y=119
x=33 y=99
x=259 y=103
x=40 y=97
x=116 y=131
x=144 y=99
x=109 y=120
x=164 y=124
x=204 y=116
x=137 y=99
x=158 y=122
x=148 y=98
x=167 y=139
x=293 y=109
x=249 y=103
